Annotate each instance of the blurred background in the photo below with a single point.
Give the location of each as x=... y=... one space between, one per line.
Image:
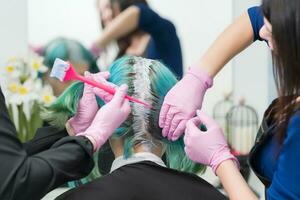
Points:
x=198 y=22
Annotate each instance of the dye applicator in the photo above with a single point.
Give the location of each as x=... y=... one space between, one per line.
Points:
x=64 y=71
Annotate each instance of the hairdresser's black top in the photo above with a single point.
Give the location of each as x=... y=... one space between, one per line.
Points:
x=145 y=180
x=164 y=44
x=29 y=171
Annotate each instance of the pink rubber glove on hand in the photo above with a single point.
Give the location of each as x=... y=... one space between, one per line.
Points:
x=105 y=96
x=108 y=118
x=87 y=106
x=182 y=101
x=206 y=147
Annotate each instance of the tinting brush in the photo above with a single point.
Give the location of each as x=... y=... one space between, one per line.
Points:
x=64 y=71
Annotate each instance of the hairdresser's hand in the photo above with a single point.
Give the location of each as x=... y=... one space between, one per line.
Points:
x=108 y=118
x=87 y=106
x=182 y=101
x=206 y=147
x=105 y=96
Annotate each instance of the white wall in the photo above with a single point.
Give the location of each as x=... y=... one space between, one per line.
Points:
x=70 y=18
x=252 y=74
x=13 y=31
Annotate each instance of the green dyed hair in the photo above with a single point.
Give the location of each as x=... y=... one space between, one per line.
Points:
x=127 y=70
x=71 y=50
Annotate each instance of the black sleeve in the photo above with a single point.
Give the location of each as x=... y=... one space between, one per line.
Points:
x=30 y=177
x=44 y=138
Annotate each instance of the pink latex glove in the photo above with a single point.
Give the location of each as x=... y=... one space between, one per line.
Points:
x=108 y=118
x=206 y=147
x=87 y=106
x=182 y=101
x=105 y=96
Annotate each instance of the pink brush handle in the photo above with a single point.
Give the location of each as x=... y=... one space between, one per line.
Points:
x=109 y=89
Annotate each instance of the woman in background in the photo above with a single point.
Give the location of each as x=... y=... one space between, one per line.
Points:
x=138 y=31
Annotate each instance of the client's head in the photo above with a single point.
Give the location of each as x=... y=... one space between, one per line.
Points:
x=71 y=50
x=147 y=80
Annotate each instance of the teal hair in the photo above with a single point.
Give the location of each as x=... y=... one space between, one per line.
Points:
x=122 y=72
x=71 y=50
x=162 y=80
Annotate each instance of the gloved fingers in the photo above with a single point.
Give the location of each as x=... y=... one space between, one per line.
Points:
x=174 y=124
x=101 y=78
x=125 y=107
x=196 y=121
x=119 y=96
x=87 y=90
x=162 y=115
x=206 y=120
x=170 y=115
x=192 y=128
x=101 y=75
x=98 y=77
x=88 y=96
x=188 y=152
x=186 y=140
x=105 y=96
x=179 y=130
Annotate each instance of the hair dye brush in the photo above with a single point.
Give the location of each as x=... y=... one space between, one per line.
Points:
x=64 y=71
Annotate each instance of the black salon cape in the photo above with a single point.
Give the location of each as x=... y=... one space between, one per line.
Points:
x=145 y=181
x=29 y=171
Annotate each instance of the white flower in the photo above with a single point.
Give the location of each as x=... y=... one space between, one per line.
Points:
x=45 y=92
x=23 y=93
x=22 y=87
x=10 y=89
x=36 y=66
x=47 y=97
x=14 y=67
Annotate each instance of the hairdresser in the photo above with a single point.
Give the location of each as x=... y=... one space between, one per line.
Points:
x=276 y=154
x=139 y=31
x=29 y=171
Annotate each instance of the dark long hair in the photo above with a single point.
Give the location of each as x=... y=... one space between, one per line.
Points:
x=284 y=15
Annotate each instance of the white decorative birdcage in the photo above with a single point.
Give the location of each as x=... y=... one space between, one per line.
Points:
x=220 y=111
x=242 y=125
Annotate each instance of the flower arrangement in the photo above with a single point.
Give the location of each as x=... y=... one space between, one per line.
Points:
x=26 y=93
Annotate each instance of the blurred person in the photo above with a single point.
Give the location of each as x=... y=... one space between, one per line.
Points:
x=137 y=30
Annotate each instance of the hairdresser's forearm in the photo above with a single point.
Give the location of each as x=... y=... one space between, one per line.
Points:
x=123 y=24
x=233 y=182
x=232 y=41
